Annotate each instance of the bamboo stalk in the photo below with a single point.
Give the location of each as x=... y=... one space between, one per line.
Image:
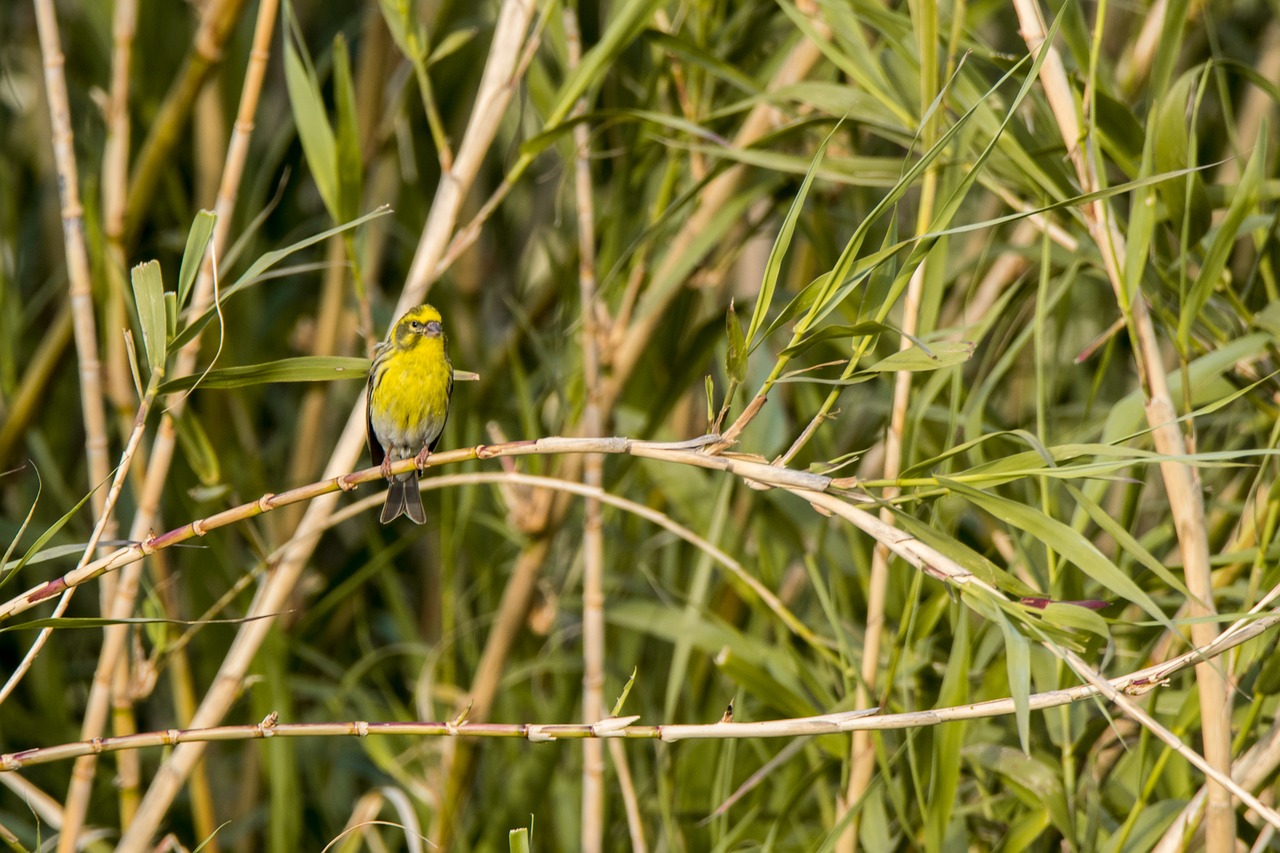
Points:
x=84 y=323
x=488 y=675
x=593 y=654
x=148 y=513
x=78 y=795
x=1182 y=486
x=81 y=290
x=684 y=452
x=115 y=181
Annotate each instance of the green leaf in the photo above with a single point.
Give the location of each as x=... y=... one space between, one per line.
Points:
x=57 y=552
x=1142 y=222
x=1169 y=46
x=193 y=255
x=1128 y=544
x=1077 y=618
x=1172 y=151
x=7 y=570
x=939 y=355
x=735 y=359
x=626 y=691
x=259 y=267
x=451 y=44
x=312 y=368
x=1067 y=542
x=960 y=553
x=349 y=161
x=697 y=54
x=836 y=332
x=44 y=537
x=518 y=841
x=197 y=448
x=1127 y=415
x=950 y=737
x=314 y=132
x=1017 y=653
x=1017 y=660
x=1037 y=785
x=773 y=267
x=148 y=294
x=1243 y=200
x=802 y=377
x=402 y=24
x=170 y=313
x=1123 y=135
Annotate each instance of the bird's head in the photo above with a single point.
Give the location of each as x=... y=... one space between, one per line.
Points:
x=417 y=325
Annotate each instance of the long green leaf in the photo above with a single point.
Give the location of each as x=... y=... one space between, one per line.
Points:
x=44 y=537
x=312 y=120
x=1184 y=197
x=8 y=570
x=256 y=271
x=198 y=238
x=1243 y=201
x=348 y=160
x=311 y=368
x=773 y=266
x=1063 y=540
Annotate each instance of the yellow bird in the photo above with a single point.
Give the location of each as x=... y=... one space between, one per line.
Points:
x=407 y=399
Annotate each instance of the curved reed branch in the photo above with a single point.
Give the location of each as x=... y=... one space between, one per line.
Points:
x=686 y=452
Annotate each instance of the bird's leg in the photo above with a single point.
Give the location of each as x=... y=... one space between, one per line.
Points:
x=421 y=459
x=386 y=467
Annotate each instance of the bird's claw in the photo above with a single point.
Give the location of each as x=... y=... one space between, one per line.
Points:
x=421 y=459
x=386 y=467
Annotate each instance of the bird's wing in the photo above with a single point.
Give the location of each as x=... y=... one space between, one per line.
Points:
x=448 y=395
x=376 y=453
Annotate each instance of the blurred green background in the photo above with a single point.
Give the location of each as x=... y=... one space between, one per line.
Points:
x=801 y=162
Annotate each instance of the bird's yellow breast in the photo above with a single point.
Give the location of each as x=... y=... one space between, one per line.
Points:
x=410 y=397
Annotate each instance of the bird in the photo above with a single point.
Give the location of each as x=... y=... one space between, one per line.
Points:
x=407 y=404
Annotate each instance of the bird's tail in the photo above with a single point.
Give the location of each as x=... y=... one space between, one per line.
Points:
x=403 y=498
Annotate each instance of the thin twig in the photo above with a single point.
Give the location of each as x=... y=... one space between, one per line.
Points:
x=835 y=722
x=679 y=452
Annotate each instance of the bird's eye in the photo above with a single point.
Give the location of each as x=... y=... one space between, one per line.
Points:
x=415 y=325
